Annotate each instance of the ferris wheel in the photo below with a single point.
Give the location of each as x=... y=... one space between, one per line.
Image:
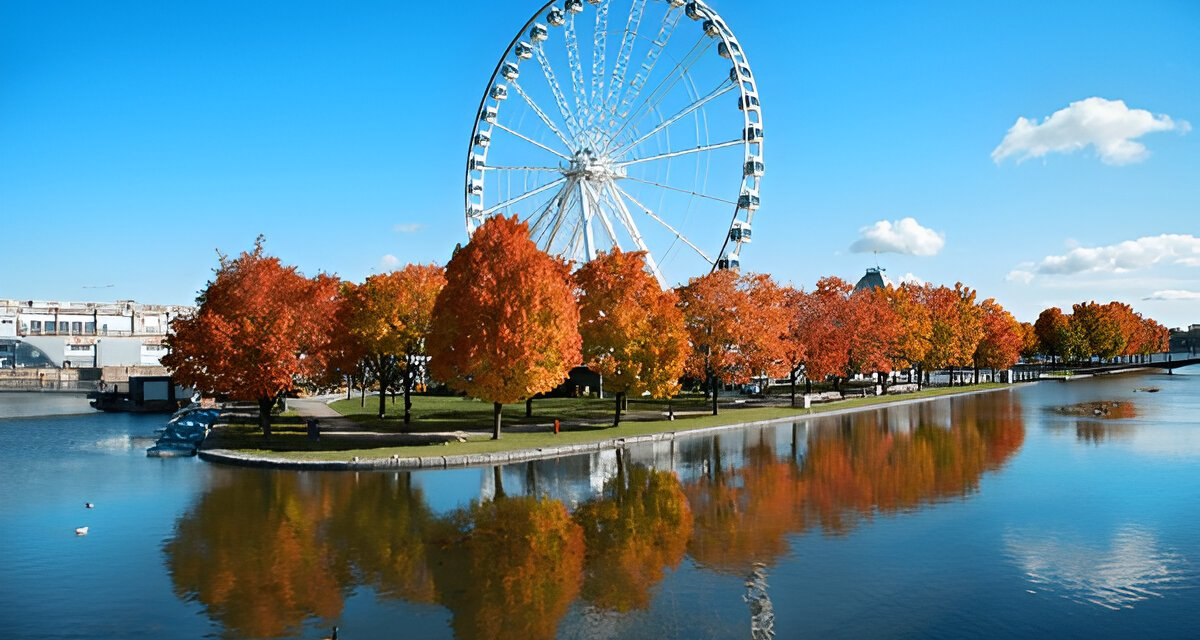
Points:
x=630 y=124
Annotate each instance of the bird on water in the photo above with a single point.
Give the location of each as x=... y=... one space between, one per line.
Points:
x=333 y=636
x=88 y=505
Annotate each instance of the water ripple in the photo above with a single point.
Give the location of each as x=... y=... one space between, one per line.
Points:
x=1131 y=569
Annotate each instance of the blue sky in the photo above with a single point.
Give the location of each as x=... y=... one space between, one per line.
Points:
x=138 y=137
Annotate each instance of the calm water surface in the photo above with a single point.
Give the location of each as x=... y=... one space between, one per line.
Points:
x=985 y=516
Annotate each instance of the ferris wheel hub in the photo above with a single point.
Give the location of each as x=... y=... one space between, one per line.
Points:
x=588 y=165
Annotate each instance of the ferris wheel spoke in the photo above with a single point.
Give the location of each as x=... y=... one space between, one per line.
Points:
x=679 y=190
x=544 y=210
x=540 y=114
x=588 y=213
x=560 y=100
x=626 y=220
x=501 y=168
x=576 y=71
x=599 y=211
x=527 y=194
x=681 y=152
x=663 y=89
x=663 y=223
x=621 y=66
x=721 y=90
x=621 y=108
x=599 y=51
x=564 y=206
x=530 y=140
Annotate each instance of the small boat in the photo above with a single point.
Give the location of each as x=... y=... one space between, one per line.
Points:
x=171 y=450
x=184 y=432
x=81 y=531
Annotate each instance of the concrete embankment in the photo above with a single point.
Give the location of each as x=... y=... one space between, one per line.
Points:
x=395 y=462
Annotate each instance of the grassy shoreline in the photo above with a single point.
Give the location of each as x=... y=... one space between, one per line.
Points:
x=292 y=449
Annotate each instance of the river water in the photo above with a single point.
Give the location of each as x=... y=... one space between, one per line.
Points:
x=993 y=515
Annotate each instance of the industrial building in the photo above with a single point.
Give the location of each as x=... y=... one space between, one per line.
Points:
x=44 y=334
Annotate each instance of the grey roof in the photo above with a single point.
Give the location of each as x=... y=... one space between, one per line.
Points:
x=872 y=280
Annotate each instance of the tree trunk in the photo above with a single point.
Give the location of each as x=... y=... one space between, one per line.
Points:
x=362 y=397
x=382 y=399
x=529 y=407
x=349 y=386
x=952 y=376
x=793 y=381
x=976 y=374
x=617 y=413
x=496 y=407
x=408 y=383
x=264 y=415
x=807 y=385
x=714 y=394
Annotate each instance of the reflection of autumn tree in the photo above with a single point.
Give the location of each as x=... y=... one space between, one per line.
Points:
x=508 y=568
x=860 y=468
x=252 y=554
x=380 y=528
x=637 y=528
x=848 y=472
x=743 y=515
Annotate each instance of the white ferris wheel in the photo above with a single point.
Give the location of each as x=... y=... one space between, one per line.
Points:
x=631 y=124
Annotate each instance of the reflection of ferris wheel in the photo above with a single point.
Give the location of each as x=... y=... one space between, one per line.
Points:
x=640 y=152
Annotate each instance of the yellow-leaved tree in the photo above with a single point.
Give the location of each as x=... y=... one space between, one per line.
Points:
x=386 y=321
x=633 y=332
x=505 y=327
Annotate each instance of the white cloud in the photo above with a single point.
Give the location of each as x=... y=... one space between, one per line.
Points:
x=1174 y=294
x=408 y=227
x=904 y=236
x=910 y=278
x=1182 y=249
x=1108 y=125
x=1019 y=275
x=389 y=262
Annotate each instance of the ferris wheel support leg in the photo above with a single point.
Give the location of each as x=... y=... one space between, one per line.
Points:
x=631 y=228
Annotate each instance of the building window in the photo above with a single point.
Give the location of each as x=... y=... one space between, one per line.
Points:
x=64 y=326
x=35 y=326
x=89 y=327
x=76 y=327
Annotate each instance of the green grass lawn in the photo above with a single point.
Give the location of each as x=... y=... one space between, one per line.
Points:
x=588 y=420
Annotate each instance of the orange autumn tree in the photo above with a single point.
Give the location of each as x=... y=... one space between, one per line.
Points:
x=505 y=326
x=1003 y=338
x=800 y=313
x=828 y=331
x=633 y=334
x=386 y=321
x=1052 y=329
x=765 y=344
x=710 y=306
x=260 y=328
x=914 y=327
x=876 y=328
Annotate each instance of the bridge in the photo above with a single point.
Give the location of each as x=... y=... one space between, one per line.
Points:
x=1166 y=361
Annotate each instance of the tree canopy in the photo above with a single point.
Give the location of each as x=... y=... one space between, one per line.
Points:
x=505 y=326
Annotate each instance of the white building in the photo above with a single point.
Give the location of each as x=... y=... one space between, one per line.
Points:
x=86 y=334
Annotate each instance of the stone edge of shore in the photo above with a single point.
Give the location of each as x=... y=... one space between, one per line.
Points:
x=459 y=461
